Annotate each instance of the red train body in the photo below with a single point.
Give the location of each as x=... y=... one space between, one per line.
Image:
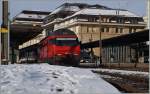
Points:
x=60 y=47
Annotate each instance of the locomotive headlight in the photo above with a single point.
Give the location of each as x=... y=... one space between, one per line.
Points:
x=81 y=60
x=59 y=54
x=75 y=54
x=67 y=53
x=87 y=61
x=58 y=57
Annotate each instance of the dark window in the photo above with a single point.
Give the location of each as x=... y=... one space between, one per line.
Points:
x=132 y=21
x=29 y=16
x=130 y=30
x=107 y=29
x=134 y=30
x=102 y=29
x=52 y=41
x=91 y=19
x=65 y=41
x=121 y=30
x=116 y=30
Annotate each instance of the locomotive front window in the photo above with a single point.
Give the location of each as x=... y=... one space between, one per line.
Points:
x=52 y=41
x=66 y=41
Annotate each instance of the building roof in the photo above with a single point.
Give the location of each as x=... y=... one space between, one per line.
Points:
x=70 y=10
x=94 y=11
x=107 y=12
x=66 y=8
x=84 y=5
x=28 y=15
x=35 y=12
x=74 y=7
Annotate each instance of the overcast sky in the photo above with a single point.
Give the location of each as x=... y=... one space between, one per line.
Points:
x=16 y=6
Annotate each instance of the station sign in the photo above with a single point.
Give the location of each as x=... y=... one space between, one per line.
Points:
x=3 y=30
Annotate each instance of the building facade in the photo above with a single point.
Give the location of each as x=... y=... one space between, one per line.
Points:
x=97 y=23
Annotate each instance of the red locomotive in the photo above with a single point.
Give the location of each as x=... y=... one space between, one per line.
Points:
x=60 y=47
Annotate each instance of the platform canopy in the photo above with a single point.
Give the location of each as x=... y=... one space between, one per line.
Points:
x=137 y=37
x=26 y=25
x=21 y=33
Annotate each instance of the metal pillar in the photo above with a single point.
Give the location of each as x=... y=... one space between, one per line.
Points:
x=0 y=49
x=5 y=35
x=107 y=55
x=118 y=55
x=148 y=13
x=100 y=41
x=122 y=58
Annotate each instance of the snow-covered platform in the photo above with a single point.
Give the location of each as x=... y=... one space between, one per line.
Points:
x=48 y=79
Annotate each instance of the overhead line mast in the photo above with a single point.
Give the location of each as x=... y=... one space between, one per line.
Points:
x=5 y=33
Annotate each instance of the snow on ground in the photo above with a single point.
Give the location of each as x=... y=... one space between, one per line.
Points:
x=49 y=79
x=124 y=72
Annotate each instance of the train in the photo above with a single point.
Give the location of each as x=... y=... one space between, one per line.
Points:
x=61 y=47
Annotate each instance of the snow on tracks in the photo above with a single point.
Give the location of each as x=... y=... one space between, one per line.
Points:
x=123 y=72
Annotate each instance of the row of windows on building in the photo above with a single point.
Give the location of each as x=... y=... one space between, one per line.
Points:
x=108 y=30
x=112 y=20
x=104 y=19
x=118 y=30
x=105 y=30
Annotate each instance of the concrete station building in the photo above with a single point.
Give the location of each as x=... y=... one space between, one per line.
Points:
x=93 y=22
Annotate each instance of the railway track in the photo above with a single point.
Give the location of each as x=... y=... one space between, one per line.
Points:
x=126 y=84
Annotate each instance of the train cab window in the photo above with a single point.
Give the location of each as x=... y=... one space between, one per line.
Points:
x=66 y=41
x=52 y=41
